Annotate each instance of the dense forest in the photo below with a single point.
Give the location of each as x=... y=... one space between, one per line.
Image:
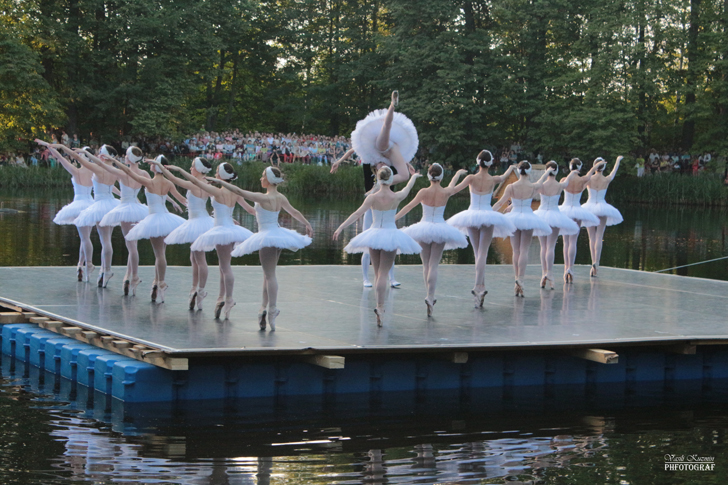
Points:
x=560 y=76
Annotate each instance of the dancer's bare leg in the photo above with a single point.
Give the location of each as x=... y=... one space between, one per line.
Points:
x=392 y=152
x=543 y=242
x=425 y=257
x=598 y=241
x=227 y=280
x=269 y=260
x=199 y=266
x=86 y=247
x=516 y=247
x=435 y=256
x=386 y=260
x=382 y=143
x=550 y=252
x=365 y=259
x=486 y=236
x=107 y=252
x=195 y=270
x=526 y=237
x=160 y=258
x=132 y=261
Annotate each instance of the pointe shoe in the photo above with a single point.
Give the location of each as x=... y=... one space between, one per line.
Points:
x=126 y=286
x=367 y=284
x=272 y=315
x=380 y=316
x=201 y=294
x=478 y=298
x=593 y=271
x=395 y=283
x=227 y=307
x=79 y=272
x=106 y=278
x=395 y=98
x=568 y=277
x=192 y=298
x=133 y=285
x=543 y=281
x=100 y=280
x=430 y=306
x=261 y=318
x=155 y=289
x=519 y=289
x=161 y=288
x=218 y=307
x=550 y=282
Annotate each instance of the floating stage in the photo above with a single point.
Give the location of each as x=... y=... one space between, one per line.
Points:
x=624 y=327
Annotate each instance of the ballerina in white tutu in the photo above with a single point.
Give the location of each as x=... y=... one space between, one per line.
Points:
x=158 y=223
x=432 y=232
x=480 y=222
x=104 y=202
x=520 y=193
x=81 y=178
x=271 y=238
x=387 y=137
x=198 y=223
x=224 y=234
x=127 y=213
x=383 y=240
x=608 y=214
x=560 y=223
x=572 y=208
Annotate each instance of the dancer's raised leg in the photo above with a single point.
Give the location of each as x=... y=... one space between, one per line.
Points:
x=390 y=149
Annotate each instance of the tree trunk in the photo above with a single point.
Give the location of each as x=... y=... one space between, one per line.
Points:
x=692 y=75
x=231 y=98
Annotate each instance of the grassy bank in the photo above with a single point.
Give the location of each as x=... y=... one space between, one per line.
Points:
x=705 y=189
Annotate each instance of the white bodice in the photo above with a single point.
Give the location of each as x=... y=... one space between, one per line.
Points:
x=480 y=202
x=128 y=194
x=521 y=205
x=156 y=203
x=80 y=192
x=549 y=202
x=223 y=214
x=102 y=191
x=596 y=196
x=383 y=219
x=432 y=214
x=267 y=220
x=196 y=207
x=573 y=200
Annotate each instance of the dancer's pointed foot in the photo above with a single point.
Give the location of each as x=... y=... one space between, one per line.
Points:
x=568 y=276
x=133 y=285
x=79 y=272
x=550 y=282
x=379 y=312
x=155 y=290
x=106 y=277
x=367 y=284
x=519 y=289
x=430 y=306
x=193 y=298
x=478 y=297
x=161 y=288
x=201 y=294
x=218 y=306
x=543 y=281
x=593 y=271
x=395 y=98
x=227 y=307
x=395 y=283
x=272 y=315
x=100 y=280
x=261 y=318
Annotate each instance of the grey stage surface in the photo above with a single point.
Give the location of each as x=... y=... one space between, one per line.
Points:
x=326 y=308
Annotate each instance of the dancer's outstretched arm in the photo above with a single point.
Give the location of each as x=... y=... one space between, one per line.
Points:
x=175 y=193
x=65 y=163
x=97 y=170
x=210 y=189
x=297 y=215
x=404 y=210
x=564 y=182
x=176 y=180
x=505 y=198
x=258 y=197
x=355 y=216
x=402 y=194
x=146 y=182
x=501 y=178
x=346 y=156
x=613 y=173
x=454 y=187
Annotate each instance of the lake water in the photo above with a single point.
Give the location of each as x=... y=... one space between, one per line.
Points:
x=49 y=436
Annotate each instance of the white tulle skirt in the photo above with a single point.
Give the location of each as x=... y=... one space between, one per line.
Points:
x=502 y=226
x=385 y=239
x=403 y=133
x=95 y=212
x=555 y=218
x=221 y=235
x=278 y=237
x=526 y=221
x=159 y=224
x=580 y=214
x=69 y=212
x=426 y=232
x=603 y=209
x=125 y=212
x=190 y=230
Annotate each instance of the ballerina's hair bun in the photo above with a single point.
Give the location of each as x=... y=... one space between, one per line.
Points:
x=134 y=154
x=575 y=164
x=435 y=172
x=485 y=159
x=202 y=165
x=385 y=176
x=160 y=160
x=108 y=150
x=599 y=160
x=553 y=166
x=524 y=168
x=226 y=171
x=274 y=175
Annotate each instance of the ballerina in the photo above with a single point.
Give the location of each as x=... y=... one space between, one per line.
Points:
x=383 y=240
x=158 y=223
x=271 y=238
x=224 y=234
x=104 y=202
x=480 y=222
x=198 y=223
x=81 y=178
x=560 y=223
x=127 y=213
x=608 y=214
x=572 y=208
x=387 y=137
x=432 y=232
x=520 y=193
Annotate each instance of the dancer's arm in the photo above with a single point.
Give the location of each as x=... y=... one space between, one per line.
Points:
x=176 y=180
x=539 y=183
x=346 y=156
x=498 y=179
x=613 y=173
x=175 y=193
x=455 y=178
x=146 y=182
x=505 y=198
x=210 y=189
x=244 y=204
x=66 y=164
x=465 y=183
x=402 y=194
x=355 y=216
x=454 y=187
x=258 y=197
x=404 y=210
x=564 y=182
x=297 y=215
x=89 y=165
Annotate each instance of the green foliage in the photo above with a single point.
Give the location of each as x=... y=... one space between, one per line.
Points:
x=705 y=189
x=33 y=177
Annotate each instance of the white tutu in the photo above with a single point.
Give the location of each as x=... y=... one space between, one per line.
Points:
x=199 y=222
x=572 y=208
x=600 y=208
x=223 y=232
x=481 y=214
x=383 y=235
x=128 y=210
x=158 y=223
x=271 y=235
x=550 y=213
x=433 y=228
x=524 y=219
x=403 y=133
x=81 y=201
x=104 y=202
